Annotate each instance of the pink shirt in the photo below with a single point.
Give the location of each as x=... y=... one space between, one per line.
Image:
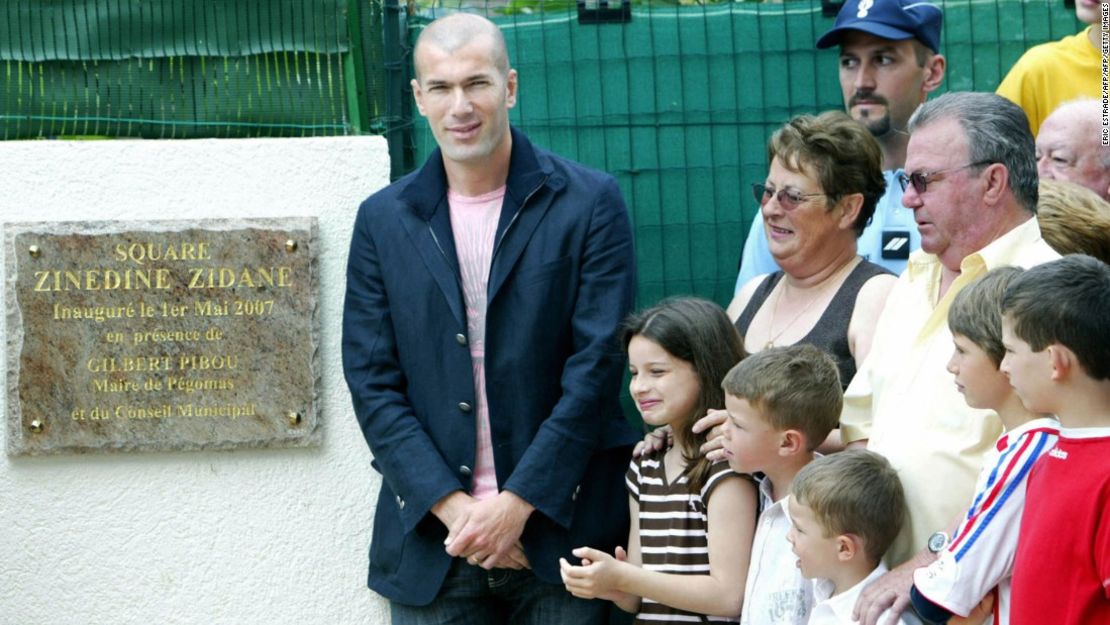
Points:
x=474 y=223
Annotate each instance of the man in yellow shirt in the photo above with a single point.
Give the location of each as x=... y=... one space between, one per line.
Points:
x=1055 y=72
x=971 y=180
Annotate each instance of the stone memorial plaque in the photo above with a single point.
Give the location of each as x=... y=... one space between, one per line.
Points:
x=161 y=335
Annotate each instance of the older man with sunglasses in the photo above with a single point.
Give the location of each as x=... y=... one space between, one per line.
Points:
x=971 y=181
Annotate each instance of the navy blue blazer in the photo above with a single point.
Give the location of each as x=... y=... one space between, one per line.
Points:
x=562 y=278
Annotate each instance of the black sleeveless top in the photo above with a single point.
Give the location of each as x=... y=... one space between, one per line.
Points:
x=831 y=331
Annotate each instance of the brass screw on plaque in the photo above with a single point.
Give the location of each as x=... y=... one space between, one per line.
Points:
x=36 y=426
x=294 y=417
x=34 y=251
x=290 y=245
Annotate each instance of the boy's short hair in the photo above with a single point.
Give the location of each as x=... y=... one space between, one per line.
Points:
x=1066 y=301
x=976 y=311
x=796 y=387
x=854 y=492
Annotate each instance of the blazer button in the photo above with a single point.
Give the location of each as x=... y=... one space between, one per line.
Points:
x=465 y=471
x=463 y=406
x=574 y=497
x=461 y=339
x=400 y=502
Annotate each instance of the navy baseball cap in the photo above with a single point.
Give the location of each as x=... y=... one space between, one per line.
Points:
x=888 y=19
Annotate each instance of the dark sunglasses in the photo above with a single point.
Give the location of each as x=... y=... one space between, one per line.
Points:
x=788 y=199
x=921 y=179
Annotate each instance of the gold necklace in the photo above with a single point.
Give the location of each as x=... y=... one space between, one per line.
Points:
x=831 y=280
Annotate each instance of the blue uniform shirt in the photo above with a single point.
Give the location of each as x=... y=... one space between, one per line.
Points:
x=887 y=240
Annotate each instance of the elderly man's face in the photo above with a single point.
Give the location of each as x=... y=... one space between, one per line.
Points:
x=1068 y=149
x=949 y=213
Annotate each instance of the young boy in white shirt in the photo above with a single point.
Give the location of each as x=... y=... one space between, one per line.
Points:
x=846 y=508
x=782 y=402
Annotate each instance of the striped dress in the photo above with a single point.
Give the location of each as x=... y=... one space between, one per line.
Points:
x=674 y=529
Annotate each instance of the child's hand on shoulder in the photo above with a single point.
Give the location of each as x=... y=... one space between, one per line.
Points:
x=659 y=439
x=714 y=421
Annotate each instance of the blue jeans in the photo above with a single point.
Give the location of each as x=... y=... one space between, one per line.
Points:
x=472 y=595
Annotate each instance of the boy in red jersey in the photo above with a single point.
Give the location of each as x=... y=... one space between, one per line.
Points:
x=1056 y=332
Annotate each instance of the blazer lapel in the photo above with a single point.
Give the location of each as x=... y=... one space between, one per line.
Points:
x=514 y=239
x=529 y=193
x=428 y=224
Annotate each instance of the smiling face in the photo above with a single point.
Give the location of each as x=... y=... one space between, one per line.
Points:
x=976 y=376
x=799 y=233
x=665 y=388
x=881 y=81
x=817 y=553
x=466 y=99
x=1029 y=372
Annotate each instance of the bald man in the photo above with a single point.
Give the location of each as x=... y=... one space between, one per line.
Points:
x=1069 y=146
x=483 y=296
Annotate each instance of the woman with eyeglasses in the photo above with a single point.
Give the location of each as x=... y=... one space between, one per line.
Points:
x=821 y=189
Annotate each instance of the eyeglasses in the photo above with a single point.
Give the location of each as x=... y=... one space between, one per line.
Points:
x=788 y=199
x=921 y=179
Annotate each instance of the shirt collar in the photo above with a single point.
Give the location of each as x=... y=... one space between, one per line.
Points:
x=1033 y=424
x=997 y=253
x=1082 y=433
x=843 y=604
x=1001 y=251
x=767 y=494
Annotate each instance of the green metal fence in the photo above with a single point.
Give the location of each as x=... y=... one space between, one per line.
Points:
x=677 y=103
x=175 y=68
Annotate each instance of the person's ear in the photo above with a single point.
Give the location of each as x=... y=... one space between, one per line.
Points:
x=418 y=96
x=934 y=72
x=851 y=205
x=848 y=546
x=997 y=178
x=791 y=442
x=1063 y=360
x=511 y=84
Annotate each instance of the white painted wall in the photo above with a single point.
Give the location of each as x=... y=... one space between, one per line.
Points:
x=237 y=537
